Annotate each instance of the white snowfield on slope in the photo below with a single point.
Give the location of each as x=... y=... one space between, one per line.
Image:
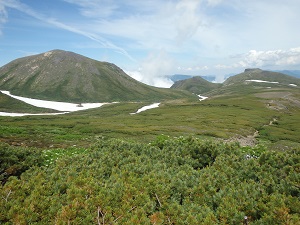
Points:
x=64 y=107
x=269 y=82
x=144 y=108
x=59 y=106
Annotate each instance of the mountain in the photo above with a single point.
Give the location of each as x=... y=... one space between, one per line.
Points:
x=197 y=85
x=178 y=77
x=254 y=82
x=245 y=82
x=268 y=77
x=67 y=76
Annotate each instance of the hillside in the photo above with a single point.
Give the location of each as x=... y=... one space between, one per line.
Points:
x=197 y=85
x=262 y=75
x=66 y=76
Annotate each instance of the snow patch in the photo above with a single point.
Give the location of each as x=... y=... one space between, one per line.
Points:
x=201 y=98
x=294 y=85
x=29 y=114
x=59 y=106
x=144 y=108
x=263 y=81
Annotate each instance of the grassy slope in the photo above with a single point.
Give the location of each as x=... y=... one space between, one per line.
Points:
x=221 y=117
x=231 y=110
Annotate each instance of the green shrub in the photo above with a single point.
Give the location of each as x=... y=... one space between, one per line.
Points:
x=15 y=160
x=170 y=181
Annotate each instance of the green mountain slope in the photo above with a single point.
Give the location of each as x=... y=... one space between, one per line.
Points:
x=249 y=80
x=255 y=81
x=258 y=74
x=196 y=85
x=67 y=76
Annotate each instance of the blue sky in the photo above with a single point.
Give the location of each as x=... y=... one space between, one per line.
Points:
x=152 y=38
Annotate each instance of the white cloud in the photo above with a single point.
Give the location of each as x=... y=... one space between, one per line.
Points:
x=154 y=69
x=137 y=75
x=261 y=59
x=194 y=69
x=3 y=17
x=3 y=14
x=220 y=66
x=214 y=2
x=268 y=58
x=188 y=19
x=95 y=8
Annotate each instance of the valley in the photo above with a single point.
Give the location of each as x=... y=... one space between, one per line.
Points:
x=216 y=117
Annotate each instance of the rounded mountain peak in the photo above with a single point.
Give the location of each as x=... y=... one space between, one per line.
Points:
x=67 y=76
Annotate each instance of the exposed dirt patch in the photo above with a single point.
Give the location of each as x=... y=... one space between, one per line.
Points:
x=249 y=140
x=279 y=100
x=276 y=105
x=272 y=121
x=273 y=95
x=293 y=100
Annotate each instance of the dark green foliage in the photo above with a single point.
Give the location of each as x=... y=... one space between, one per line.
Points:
x=15 y=160
x=169 y=181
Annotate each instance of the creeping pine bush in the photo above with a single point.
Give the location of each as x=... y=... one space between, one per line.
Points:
x=15 y=160
x=174 y=181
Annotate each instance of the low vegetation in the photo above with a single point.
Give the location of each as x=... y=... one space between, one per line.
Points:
x=168 y=181
x=223 y=117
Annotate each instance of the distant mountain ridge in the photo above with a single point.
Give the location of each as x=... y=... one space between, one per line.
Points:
x=178 y=77
x=67 y=76
x=197 y=85
x=255 y=76
x=211 y=78
x=263 y=75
